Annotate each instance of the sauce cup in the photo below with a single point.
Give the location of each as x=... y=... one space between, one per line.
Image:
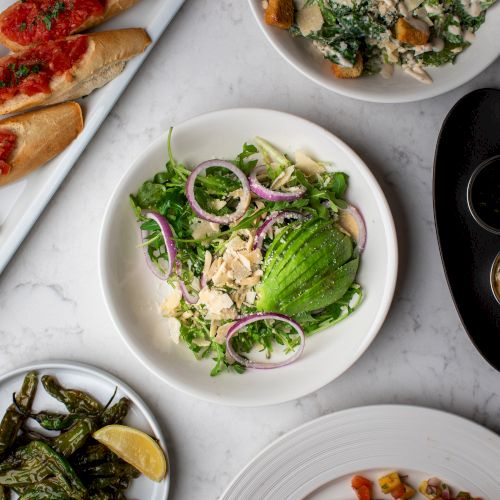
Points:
x=483 y=195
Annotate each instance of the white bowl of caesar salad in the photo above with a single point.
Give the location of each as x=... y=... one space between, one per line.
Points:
x=384 y=50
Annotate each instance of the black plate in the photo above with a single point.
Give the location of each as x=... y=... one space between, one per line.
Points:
x=469 y=136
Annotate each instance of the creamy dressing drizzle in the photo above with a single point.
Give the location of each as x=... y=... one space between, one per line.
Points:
x=473 y=7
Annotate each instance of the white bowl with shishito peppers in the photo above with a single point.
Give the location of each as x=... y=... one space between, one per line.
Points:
x=384 y=51
x=186 y=308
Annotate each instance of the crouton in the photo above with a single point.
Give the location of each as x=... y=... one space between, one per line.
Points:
x=349 y=72
x=280 y=13
x=412 y=33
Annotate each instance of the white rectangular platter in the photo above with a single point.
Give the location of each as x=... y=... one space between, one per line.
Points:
x=21 y=203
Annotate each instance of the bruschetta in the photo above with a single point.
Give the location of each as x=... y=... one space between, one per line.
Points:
x=29 y=140
x=28 y=22
x=66 y=69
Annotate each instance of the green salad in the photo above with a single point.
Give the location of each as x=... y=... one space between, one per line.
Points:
x=364 y=37
x=260 y=252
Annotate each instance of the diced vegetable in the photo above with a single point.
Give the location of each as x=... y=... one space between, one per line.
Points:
x=389 y=482
x=362 y=486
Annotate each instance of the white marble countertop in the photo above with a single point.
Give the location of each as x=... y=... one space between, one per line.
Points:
x=213 y=56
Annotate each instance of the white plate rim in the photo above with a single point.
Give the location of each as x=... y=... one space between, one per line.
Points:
x=330 y=419
x=94 y=371
x=451 y=85
x=389 y=290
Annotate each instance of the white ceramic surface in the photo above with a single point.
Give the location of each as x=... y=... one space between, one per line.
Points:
x=317 y=460
x=22 y=202
x=400 y=88
x=133 y=294
x=50 y=300
x=101 y=385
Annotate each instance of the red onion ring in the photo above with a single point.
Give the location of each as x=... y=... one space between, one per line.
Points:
x=203 y=280
x=269 y=194
x=360 y=222
x=252 y=318
x=203 y=214
x=168 y=236
x=272 y=219
x=188 y=297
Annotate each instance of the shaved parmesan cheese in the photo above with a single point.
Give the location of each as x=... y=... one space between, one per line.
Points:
x=174 y=329
x=202 y=228
x=412 y=4
x=307 y=165
x=169 y=306
x=214 y=300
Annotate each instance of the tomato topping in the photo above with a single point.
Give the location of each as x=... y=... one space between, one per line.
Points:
x=7 y=144
x=33 y=21
x=399 y=491
x=358 y=481
x=31 y=71
x=362 y=487
x=364 y=493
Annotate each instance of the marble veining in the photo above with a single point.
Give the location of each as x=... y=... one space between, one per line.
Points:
x=213 y=56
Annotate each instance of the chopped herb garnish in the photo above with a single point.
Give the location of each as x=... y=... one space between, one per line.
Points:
x=22 y=71
x=22 y=26
x=53 y=13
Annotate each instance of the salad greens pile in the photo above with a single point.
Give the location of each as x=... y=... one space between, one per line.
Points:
x=166 y=194
x=366 y=27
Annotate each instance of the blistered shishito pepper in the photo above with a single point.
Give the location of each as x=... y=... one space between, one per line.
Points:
x=107 y=494
x=4 y=493
x=75 y=401
x=103 y=483
x=53 y=488
x=55 y=421
x=116 y=413
x=13 y=420
x=41 y=463
x=111 y=469
x=90 y=454
x=74 y=438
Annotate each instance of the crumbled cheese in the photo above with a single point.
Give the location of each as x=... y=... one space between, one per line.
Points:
x=412 y=4
x=213 y=328
x=218 y=204
x=250 y=297
x=201 y=229
x=283 y=178
x=201 y=342
x=208 y=262
x=309 y=19
x=173 y=326
x=169 y=306
x=307 y=165
x=221 y=277
x=214 y=300
x=222 y=332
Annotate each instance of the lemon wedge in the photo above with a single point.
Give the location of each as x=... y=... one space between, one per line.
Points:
x=135 y=447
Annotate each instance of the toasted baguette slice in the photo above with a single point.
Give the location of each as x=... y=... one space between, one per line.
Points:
x=16 y=42
x=40 y=135
x=105 y=58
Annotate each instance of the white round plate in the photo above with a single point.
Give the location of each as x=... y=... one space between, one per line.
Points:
x=132 y=293
x=100 y=384
x=317 y=460
x=401 y=87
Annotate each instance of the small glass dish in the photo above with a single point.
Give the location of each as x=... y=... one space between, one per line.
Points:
x=483 y=195
x=495 y=277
